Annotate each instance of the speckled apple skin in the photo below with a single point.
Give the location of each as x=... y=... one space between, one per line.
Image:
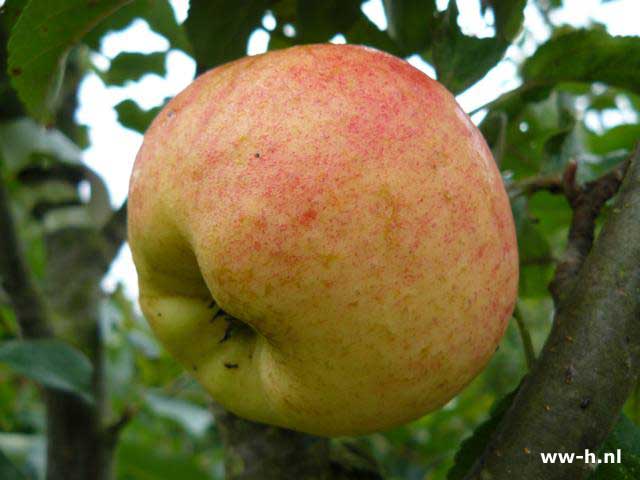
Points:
x=339 y=202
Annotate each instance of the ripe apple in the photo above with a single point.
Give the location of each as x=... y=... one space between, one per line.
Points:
x=343 y=209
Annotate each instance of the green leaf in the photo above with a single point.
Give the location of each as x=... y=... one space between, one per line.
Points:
x=365 y=32
x=52 y=363
x=278 y=40
x=193 y=418
x=536 y=260
x=532 y=245
x=21 y=138
x=157 y=13
x=133 y=66
x=541 y=136
x=536 y=267
x=8 y=471
x=494 y=130
x=622 y=137
x=626 y=437
x=285 y=11
x=219 y=29
x=11 y=11
x=461 y=60
x=552 y=215
x=319 y=21
x=411 y=23
x=130 y=115
x=40 y=42
x=136 y=460
x=604 y=101
x=587 y=55
x=509 y=16
x=472 y=447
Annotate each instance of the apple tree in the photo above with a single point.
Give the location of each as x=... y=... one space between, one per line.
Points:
x=86 y=390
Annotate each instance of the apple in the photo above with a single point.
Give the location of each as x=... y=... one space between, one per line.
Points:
x=322 y=237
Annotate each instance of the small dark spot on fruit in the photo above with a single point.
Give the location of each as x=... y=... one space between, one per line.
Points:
x=15 y=71
x=171 y=113
x=257 y=155
x=584 y=404
x=159 y=314
x=230 y=365
x=231 y=328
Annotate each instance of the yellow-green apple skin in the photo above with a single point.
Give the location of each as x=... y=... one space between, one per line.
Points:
x=339 y=203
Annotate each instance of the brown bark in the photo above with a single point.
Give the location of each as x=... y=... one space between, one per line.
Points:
x=255 y=451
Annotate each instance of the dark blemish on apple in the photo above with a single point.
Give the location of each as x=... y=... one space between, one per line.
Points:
x=584 y=404
x=219 y=313
x=159 y=314
x=171 y=113
x=231 y=365
x=228 y=331
x=257 y=155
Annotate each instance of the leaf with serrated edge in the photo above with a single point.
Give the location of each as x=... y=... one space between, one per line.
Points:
x=40 y=42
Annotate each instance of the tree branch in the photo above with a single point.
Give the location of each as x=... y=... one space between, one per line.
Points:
x=27 y=303
x=589 y=364
x=254 y=451
x=586 y=202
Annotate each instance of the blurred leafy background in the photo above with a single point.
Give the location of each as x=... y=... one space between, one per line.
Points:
x=545 y=82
